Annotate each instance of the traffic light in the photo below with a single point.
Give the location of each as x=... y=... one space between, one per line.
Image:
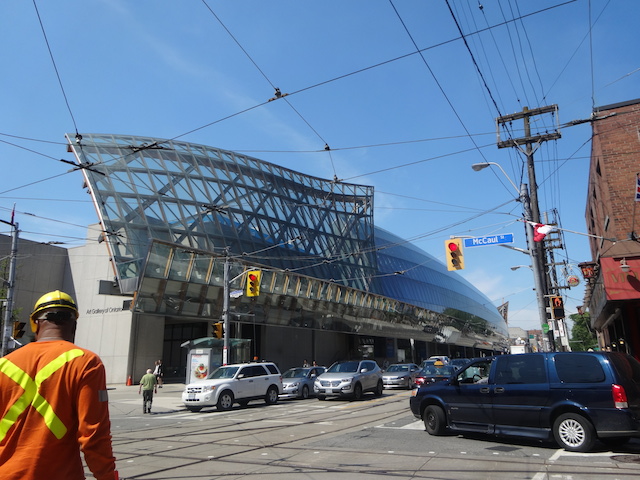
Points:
x=18 y=331
x=253 y=283
x=218 y=330
x=557 y=307
x=454 y=253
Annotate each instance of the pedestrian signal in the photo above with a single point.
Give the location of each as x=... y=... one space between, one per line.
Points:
x=557 y=307
x=218 y=330
x=253 y=283
x=454 y=253
x=18 y=329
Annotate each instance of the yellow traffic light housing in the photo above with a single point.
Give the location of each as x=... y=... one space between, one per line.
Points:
x=218 y=330
x=557 y=307
x=18 y=329
x=253 y=283
x=454 y=253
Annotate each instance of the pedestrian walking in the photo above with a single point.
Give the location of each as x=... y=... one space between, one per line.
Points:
x=148 y=386
x=53 y=402
x=159 y=372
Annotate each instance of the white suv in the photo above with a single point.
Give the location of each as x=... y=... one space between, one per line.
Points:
x=239 y=383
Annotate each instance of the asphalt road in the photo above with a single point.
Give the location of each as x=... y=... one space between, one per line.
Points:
x=318 y=440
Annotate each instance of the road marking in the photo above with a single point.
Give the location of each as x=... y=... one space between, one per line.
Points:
x=417 y=425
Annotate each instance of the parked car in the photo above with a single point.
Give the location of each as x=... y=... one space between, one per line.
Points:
x=574 y=398
x=350 y=378
x=298 y=382
x=459 y=362
x=400 y=375
x=432 y=374
x=239 y=383
x=433 y=359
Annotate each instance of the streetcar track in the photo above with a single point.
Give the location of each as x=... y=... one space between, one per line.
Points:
x=251 y=446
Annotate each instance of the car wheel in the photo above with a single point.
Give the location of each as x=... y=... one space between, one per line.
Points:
x=305 y=392
x=272 y=396
x=194 y=409
x=434 y=420
x=574 y=432
x=379 y=389
x=357 y=392
x=225 y=400
x=321 y=397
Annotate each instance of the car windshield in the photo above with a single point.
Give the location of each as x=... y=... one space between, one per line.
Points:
x=398 y=368
x=344 y=367
x=433 y=370
x=295 y=373
x=223 y=372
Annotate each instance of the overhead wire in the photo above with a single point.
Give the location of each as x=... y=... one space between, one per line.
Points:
x=278 y=94
x=55 y=67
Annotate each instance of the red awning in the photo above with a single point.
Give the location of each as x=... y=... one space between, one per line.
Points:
x=621 y=285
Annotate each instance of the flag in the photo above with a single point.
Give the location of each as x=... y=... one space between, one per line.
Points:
x=540 y=231
x=13 y=213
x=637 y=187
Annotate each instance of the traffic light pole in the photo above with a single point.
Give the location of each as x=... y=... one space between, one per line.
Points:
x=225 y=312
x=534 y=252
x=7 y=326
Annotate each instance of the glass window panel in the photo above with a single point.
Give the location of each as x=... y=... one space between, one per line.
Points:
x=193 y=299
x=180 y=265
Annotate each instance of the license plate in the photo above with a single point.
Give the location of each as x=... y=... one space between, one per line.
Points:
x=192 y=396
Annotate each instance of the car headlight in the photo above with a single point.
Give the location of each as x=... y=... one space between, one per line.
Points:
x=208 y=388
x=346 y=380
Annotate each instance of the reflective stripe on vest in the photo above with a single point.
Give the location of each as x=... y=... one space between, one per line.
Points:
x=31 y=395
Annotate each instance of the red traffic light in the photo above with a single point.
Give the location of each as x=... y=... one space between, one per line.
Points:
x=253 y=283
x=452 y=246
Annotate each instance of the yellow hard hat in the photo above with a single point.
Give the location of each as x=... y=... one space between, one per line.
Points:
x=438 y=363
x=53 y=299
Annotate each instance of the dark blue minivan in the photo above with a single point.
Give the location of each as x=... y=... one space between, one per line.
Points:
x=574 y=397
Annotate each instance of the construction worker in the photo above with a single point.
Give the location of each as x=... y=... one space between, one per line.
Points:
x=53 y=402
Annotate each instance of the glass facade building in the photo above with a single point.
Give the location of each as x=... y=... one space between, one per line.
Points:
x=174 y=213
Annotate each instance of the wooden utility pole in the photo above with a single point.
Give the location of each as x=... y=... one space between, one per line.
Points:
x=526 y=145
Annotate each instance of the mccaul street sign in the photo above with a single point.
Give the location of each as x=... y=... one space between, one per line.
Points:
x=489 y=240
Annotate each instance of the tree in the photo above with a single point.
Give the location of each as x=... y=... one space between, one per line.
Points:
x=582 y=337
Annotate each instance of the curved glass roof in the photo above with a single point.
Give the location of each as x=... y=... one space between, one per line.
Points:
x=219 y=201
x=415 y=277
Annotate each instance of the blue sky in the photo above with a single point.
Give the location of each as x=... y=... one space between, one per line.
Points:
x=410 y=124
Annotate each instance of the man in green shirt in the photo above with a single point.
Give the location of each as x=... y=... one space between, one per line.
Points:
x=148 y=386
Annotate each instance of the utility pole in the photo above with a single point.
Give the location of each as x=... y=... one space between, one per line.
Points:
x=538 y=251
x=7 y=327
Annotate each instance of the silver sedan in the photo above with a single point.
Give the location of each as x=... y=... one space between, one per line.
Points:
x=400 y=375
x=298 y=382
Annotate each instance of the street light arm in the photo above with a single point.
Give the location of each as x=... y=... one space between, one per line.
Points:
x=480 y=166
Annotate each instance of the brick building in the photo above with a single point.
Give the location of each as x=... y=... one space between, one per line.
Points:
x=613 y=218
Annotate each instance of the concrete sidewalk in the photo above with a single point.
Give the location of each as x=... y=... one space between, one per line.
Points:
x=168 y=398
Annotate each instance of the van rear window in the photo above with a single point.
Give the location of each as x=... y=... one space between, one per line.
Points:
x=626 y=366
x=576 y=368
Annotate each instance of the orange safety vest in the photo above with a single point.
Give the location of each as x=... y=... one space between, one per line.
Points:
x=53 y=402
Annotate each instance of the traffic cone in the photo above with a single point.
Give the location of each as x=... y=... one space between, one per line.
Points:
x=129 y=381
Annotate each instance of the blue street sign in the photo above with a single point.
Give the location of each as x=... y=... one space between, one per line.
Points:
x=489 y=240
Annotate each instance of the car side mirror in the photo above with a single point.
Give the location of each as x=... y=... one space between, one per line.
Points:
x=242 y=375
x=364 y=370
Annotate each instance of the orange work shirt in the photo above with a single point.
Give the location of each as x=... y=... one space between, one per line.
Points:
x=53 y=402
